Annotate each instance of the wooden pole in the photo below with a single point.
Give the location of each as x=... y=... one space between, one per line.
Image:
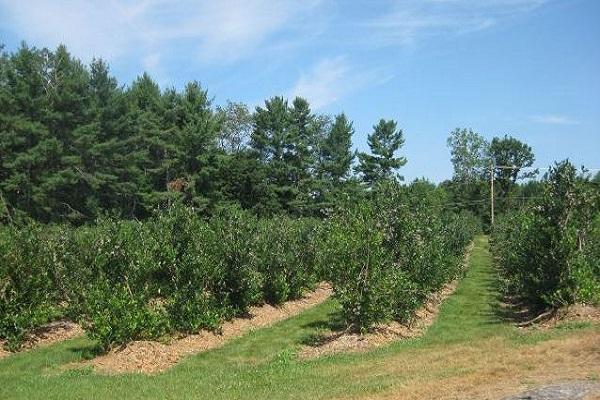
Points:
x=492 y=192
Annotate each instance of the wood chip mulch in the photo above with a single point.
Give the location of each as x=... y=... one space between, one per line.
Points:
x=572 y=313
x=152 y=357
x=46 y=335
x=381 y=334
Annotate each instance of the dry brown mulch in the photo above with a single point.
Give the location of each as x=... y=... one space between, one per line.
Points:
x=152 y=357
x=46 y=335
x=523 y=318
x=573 y=313
x=381 y=334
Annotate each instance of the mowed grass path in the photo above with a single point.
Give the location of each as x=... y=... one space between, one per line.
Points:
x=468 y=353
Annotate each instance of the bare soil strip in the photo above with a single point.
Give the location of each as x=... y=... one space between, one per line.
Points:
x=151 y=357
x=381 y=334
x=46 y=335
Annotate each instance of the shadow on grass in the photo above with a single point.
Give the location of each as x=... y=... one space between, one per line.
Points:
x=87 y=351
x=321 y=329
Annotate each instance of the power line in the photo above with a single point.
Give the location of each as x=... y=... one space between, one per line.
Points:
x=537 y=168
x=493 y=168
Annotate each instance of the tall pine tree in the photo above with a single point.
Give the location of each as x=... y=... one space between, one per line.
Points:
x=382 y=164
x=27 y=150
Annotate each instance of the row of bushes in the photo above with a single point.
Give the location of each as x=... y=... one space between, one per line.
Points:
x=126 y=280
x=129 y=280
x=548 y=253
x=385 y=257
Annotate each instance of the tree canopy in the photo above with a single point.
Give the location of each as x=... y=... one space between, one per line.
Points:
x=382 y=164
x=510 y=157
x=75 y=144
x=469 y=154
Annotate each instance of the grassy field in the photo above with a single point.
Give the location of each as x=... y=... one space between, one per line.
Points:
x=469 y=352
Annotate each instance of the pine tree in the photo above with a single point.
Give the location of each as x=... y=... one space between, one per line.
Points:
x=284 y=140
x=145 y=146
x=28 y=151
x=270 y=142
x=99 y=144
x=198 y=155
x=301 y=145
x=383 y=142
x=68 y=91
x=336 y=154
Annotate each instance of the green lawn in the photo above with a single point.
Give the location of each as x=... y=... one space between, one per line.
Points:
x=262 y=364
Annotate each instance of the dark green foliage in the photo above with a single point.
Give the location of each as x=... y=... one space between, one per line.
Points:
x=75 y=146
x=382 y=164
x=548 y=252
x=336 y=153
x=283 y=140
x=334 y=182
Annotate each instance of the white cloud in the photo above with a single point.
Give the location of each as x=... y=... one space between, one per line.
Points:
x=333 y=78
x=152 y=33
x=217 y=30
x=410 y=20
x=87 y=29
x=553 y=119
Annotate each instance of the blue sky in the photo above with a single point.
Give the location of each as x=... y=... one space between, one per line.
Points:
x=529 y=68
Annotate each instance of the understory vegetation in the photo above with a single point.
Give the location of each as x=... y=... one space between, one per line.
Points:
x=176 y=272
x=548 y=252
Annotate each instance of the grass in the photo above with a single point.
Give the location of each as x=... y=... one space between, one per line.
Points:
x=468 y=349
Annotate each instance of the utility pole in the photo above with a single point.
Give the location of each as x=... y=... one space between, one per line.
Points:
x=492 y=191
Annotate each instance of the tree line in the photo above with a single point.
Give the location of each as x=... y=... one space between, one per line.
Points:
x=75 y=144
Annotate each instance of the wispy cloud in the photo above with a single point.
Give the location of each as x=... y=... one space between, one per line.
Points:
x=554 y=119
x=408 y=21
x=216 y=30
x=230 y=30
x=162 y=35
x=333 y=78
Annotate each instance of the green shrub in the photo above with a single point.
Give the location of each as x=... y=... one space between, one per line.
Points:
x=548 y=253
x=115 y=315
x=385 y=256
x=358 y=266
x=28 y=298
x=176 y=272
